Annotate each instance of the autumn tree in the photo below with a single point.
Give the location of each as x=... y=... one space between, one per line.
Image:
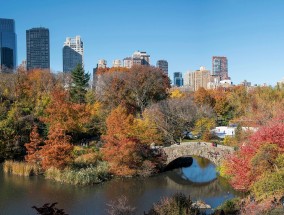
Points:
x=23 y=97
x=79 y=84
x=33 y=147
x=204 y=97
x=176 y=93
x=73 y=118
x=173 y=117
x=146 y=86
x=257 y=157
x=136 y=89
x=57 y=149
x=256 y=106
x=125 y=150
x=203 y=126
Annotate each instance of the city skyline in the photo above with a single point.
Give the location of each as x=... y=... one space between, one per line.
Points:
x=186 y=34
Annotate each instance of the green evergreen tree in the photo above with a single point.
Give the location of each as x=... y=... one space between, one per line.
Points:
x=79 y=84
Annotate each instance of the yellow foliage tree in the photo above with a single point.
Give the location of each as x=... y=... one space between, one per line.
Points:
x=203 y=127
x=176 y=93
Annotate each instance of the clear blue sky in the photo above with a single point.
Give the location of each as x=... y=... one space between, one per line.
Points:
x=187 y=33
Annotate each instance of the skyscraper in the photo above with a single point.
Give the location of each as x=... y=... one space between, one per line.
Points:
x=178 y=80
x=73 y=52
x=163 y=65
x=38 y=54
x=220 y=67
x=8 y=44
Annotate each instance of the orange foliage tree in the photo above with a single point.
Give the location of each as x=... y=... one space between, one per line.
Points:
x=33 y=147
x=57 y=149
x=71 y=117
x=125 y=149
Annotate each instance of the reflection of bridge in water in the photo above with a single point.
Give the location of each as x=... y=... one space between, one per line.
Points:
x=202 y=149
x=198 y=190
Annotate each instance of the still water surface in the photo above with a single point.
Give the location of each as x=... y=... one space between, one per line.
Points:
x=200 y=181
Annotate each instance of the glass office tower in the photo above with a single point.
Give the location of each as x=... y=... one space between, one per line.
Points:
x=38 y=54
x=73 y=51
x=8 y=44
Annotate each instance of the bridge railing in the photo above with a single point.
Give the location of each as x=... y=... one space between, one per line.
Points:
x=208 y=144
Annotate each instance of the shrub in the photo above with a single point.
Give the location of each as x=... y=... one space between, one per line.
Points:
x=230 y=206
x=21 y=168
x=270 y=184
x=120 y=207
x=83 y=176
x=86 y=159
x=178 y=204
x=230 y=141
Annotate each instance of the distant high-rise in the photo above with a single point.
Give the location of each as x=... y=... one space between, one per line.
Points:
x=138 y=58
x=197 y=79
x=116 y=63
x=127 y=62
x=178 y=80
x=141 y=58
x=163 y=65
x=220 y=67
x=73 y=52
x=102 y=63
x=38 y=54
x=8 y=44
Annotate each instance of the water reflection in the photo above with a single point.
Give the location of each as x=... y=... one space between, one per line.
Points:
x=18 y=194
x=199 y=172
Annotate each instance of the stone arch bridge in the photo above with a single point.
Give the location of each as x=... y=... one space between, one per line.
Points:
x=202 y=149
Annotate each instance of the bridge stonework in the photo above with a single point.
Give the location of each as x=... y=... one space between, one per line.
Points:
x=203 y=149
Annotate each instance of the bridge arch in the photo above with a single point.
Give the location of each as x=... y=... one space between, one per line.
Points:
x=202 y=149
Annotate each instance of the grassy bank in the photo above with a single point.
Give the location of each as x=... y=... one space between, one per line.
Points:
x=21 y=168
x=84 y=176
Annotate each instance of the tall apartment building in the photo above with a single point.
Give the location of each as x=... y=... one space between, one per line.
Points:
x=8 y=44
x=116 y=63
x=220 y=67
x=141 y=58
x=127 y=62
x=163 y=65
x=102 y=63
x=197 y=79
x=38 y=52
x=73 y=52
x=138 y=58
x=178 y=80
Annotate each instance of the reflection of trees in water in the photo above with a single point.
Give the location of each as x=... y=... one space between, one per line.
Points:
x=141 y=192
x=37 y=190
x=133 y=187
x=202 y=162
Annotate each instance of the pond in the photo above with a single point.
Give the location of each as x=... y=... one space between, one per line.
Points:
x=199 y=180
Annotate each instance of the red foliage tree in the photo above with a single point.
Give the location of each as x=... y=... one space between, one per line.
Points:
x=242 y=166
